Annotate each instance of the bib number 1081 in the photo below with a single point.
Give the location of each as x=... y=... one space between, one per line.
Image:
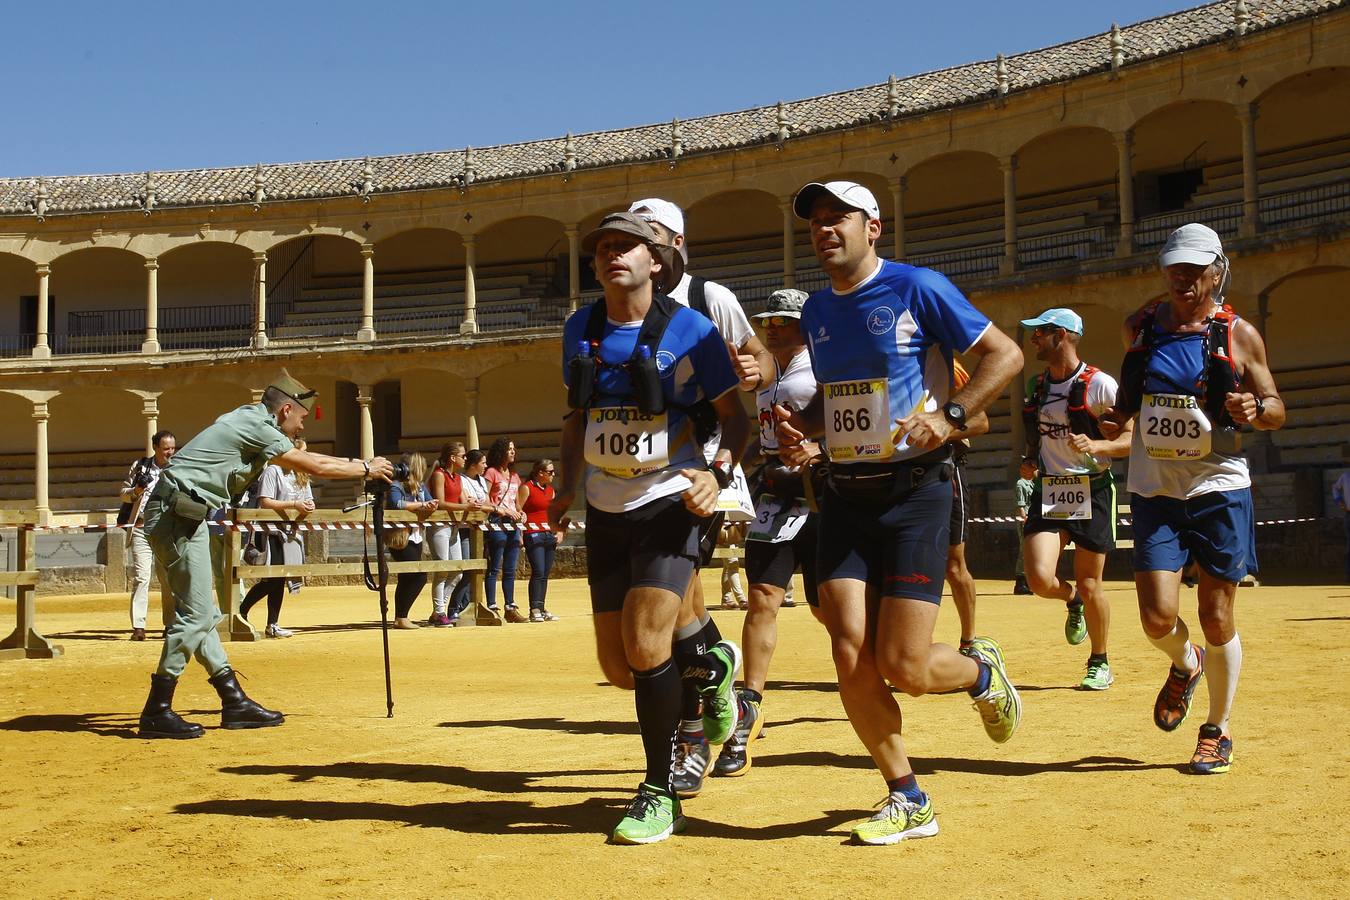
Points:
x=620 y=444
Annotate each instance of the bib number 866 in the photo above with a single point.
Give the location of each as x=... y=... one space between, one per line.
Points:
x=846 y=420
x=1163 y=426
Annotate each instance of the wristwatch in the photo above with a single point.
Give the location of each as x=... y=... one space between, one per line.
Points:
x=721 y=470
x=955 y=413
x=1260 y=409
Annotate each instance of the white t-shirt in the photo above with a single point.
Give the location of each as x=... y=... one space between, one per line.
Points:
x=794 y=387
x=1057 y=458
x=726 y=312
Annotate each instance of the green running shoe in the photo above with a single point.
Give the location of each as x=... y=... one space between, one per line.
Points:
x=653 y=816
x=899 y=820
x=1000 y=706
x=1098 y=677
x=720 y=709
x=1075 y=625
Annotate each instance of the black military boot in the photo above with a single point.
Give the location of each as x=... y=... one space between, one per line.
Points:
x=237 y=710
x=158 y=720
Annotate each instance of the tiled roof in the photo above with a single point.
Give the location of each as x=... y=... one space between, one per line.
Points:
x=973 y=82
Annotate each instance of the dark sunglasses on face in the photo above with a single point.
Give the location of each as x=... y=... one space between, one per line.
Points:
x=777 y=321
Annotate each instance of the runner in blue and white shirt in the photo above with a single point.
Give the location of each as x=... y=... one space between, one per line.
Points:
x=882 y=339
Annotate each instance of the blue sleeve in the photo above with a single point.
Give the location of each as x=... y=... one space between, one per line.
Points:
x=712 y=365
x=396 y=496
x=944 y=311
x=808 y=327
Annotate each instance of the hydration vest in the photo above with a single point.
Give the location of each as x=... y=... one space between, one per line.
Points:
x=1218 y=378
x=1079 y=413
x=644 y=376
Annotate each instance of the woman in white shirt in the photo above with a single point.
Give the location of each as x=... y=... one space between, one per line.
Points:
x=278 y=489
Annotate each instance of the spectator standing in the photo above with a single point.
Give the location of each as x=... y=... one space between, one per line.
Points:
x=410 y=495
x=541 y=542
x=503 y=541
x=1340 y=492
x=1022 y=494
x=474 y=494
x=280 y=490
x=136 y=489
x=444 y=487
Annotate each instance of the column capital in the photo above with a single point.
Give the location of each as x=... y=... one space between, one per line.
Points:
x=365 y=394
x=1248 y=111
x=469 y=239
x=42 y=270
x=1124 y=139
x=40 y=410
x=367 y=251
x=259 y=257
x=150 y=406
x=898 y=183
x=572 y=229
x=152 y=263
x=1008 y=163
x=785 y=202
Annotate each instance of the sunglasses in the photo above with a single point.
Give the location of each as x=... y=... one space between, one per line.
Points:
x=777 y=321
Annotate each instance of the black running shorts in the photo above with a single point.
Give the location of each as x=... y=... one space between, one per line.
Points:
x=774 y=564
x=1097 y=534
x=652 y=546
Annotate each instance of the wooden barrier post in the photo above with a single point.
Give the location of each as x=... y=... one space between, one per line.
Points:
x=234 y=627
x=475 y=569
x=478 y=584
x=25 y=642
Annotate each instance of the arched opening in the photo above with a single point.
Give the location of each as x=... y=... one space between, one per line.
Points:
x=419 y=282
x=1066 y=197
x=314 y=287
x=16 y=452
x=1304 y=172
x=525 y=402
x=18 y=305
x=1187 y=168
x=736 y=239
x=206 y=296
x=521 y=274
x=434 y=408
x=93 y=436
x=100 y=301
x=954 y=214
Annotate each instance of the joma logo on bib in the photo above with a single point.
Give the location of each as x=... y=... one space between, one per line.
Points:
x=1173 y=401
x=620 y=414
x=848 y=389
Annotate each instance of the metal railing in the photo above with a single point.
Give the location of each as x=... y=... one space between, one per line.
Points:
x=13 y=346
x=1066 y=247
x=1306 y=206
x=968 y=262
x=1152 y=231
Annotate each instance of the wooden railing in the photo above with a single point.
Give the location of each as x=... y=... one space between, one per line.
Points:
x=24 y=642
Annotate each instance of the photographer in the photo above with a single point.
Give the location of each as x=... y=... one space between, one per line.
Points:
x=209 y=474
x=140 y=481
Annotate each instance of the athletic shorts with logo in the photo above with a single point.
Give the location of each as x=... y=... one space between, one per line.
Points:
x=1217 y=530
x=655 y=545
x=897 y=544
x=1097 y=534
x=774 y=564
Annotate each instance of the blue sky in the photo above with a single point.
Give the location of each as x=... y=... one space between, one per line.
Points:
x=126 y=87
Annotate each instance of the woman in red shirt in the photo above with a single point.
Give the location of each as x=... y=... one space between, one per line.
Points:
x=503 y=546
x=540 y=543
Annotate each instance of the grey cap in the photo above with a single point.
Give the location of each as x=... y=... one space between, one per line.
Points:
x=786 y=302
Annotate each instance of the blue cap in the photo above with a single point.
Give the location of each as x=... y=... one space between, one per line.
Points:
x=1058 y=317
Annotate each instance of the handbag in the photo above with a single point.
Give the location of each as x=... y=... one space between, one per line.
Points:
x=396 y=538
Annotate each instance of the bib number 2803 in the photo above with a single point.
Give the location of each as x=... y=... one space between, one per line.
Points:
x=1174 y=427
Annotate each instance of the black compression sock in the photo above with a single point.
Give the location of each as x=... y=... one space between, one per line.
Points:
x=656 y=695
x=711 y=636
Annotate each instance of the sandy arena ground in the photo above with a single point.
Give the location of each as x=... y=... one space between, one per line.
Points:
x=506 y=763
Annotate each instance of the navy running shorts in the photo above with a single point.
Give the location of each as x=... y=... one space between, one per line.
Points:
x=774 y=564
x=1217 y=530
x=655 y=545
x=898 y=547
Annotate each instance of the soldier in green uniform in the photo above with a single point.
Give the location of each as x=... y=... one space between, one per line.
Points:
x=208 y=474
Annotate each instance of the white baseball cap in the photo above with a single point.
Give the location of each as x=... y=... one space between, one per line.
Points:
x=663 y=212
x=1191 y=243
x=849 y=193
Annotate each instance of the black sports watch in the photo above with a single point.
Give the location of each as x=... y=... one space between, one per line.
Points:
x=956 y=414
x=722 y=472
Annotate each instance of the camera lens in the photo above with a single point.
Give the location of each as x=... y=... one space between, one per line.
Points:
x=400 y=471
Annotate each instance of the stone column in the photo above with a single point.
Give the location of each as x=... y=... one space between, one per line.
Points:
x=151 y=344
x=150 y=409
x=367 y=330
x=260 y=314
x=40 y=490
x=789 y=243
x=1251 y=214
x=1263 y=456
x=364 y=395
x=1125 y=191
x=471 y=413
x=898 y=186
x=470 y=323
x=41 y=348
x=573 y=267
x=1009 y=167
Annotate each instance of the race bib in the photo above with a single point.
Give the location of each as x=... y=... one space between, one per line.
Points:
x=1066 y=497
x=857 y=420
x=623 y=442
x=777 y=520
x=734 y=500
x=1174 y=427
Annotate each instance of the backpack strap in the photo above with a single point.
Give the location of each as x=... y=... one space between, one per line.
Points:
x=698 y=295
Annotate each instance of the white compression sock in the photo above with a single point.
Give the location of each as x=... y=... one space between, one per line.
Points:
x=1177 y=645
x=1222 y=664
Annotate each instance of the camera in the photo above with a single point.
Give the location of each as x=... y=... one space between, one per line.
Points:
x=377 y=486
x=142 y=478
